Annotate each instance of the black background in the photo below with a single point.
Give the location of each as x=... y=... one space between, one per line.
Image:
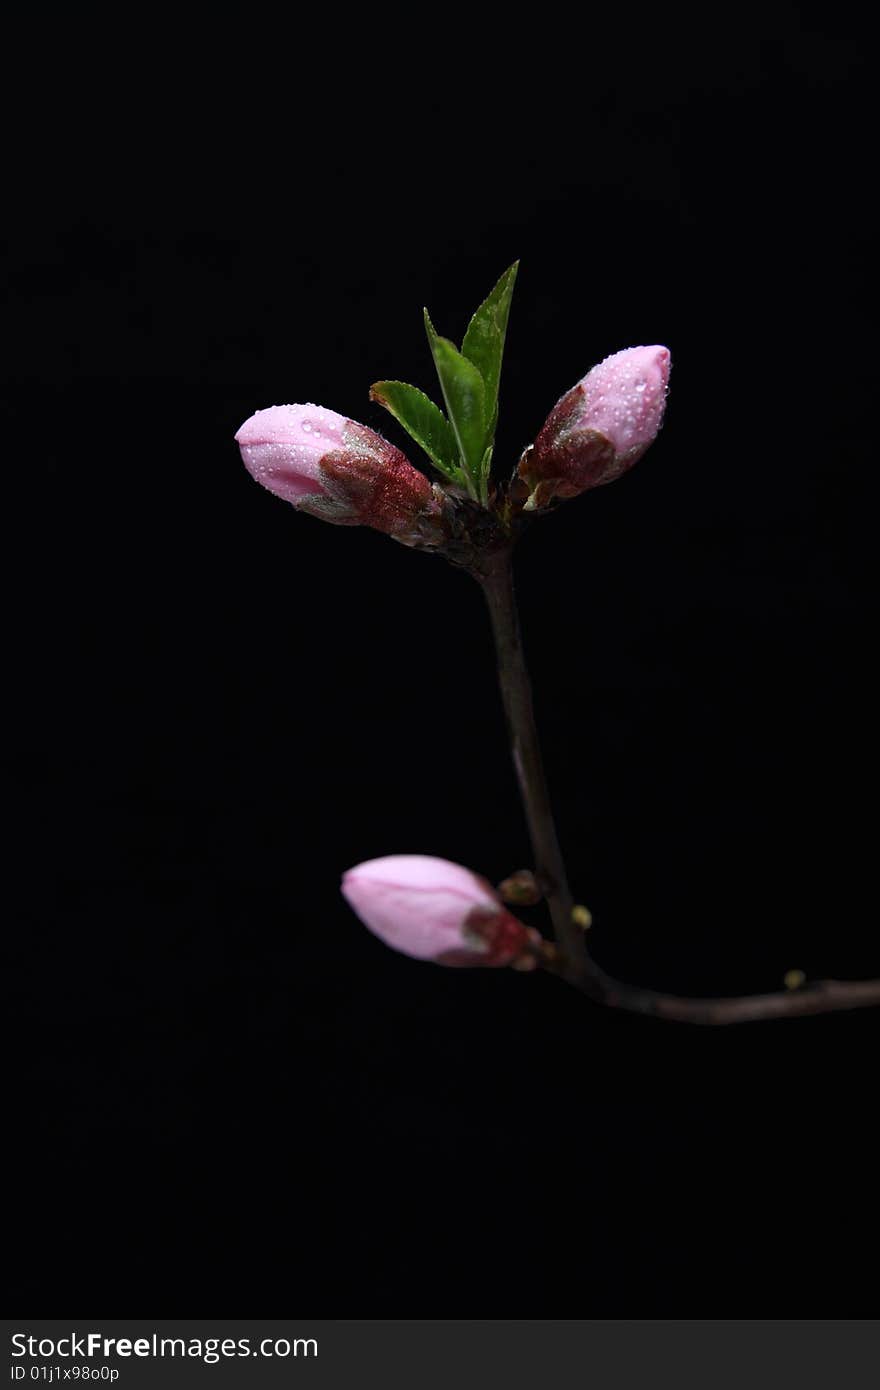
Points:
x=234 y=1100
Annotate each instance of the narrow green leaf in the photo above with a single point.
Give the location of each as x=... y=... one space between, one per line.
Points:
x=485 y=470
x=465 y=397
x=484 y=341
x=423 y=421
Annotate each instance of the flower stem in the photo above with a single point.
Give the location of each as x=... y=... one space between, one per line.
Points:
x=496 y=579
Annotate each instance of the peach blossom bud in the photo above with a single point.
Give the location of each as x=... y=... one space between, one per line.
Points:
x=599 y=428
x=336 y=469
x=434 y=910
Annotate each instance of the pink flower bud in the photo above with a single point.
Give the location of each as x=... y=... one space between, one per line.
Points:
x=599 y=428
x=435 y=910
x=336 y=469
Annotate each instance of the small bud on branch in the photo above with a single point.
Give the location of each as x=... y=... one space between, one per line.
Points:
x=521 y=889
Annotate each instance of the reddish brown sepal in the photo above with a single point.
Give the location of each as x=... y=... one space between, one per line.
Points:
x=565 y=460
x=377 y=482
x=502 y=939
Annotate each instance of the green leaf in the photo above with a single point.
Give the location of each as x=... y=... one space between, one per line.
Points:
x=484 y=342
x=465 y=397
x=485 y=469
x=424 y=422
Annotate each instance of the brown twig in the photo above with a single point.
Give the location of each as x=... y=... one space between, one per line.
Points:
x=516 y=693
x=819 y=997
x=571 y=960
